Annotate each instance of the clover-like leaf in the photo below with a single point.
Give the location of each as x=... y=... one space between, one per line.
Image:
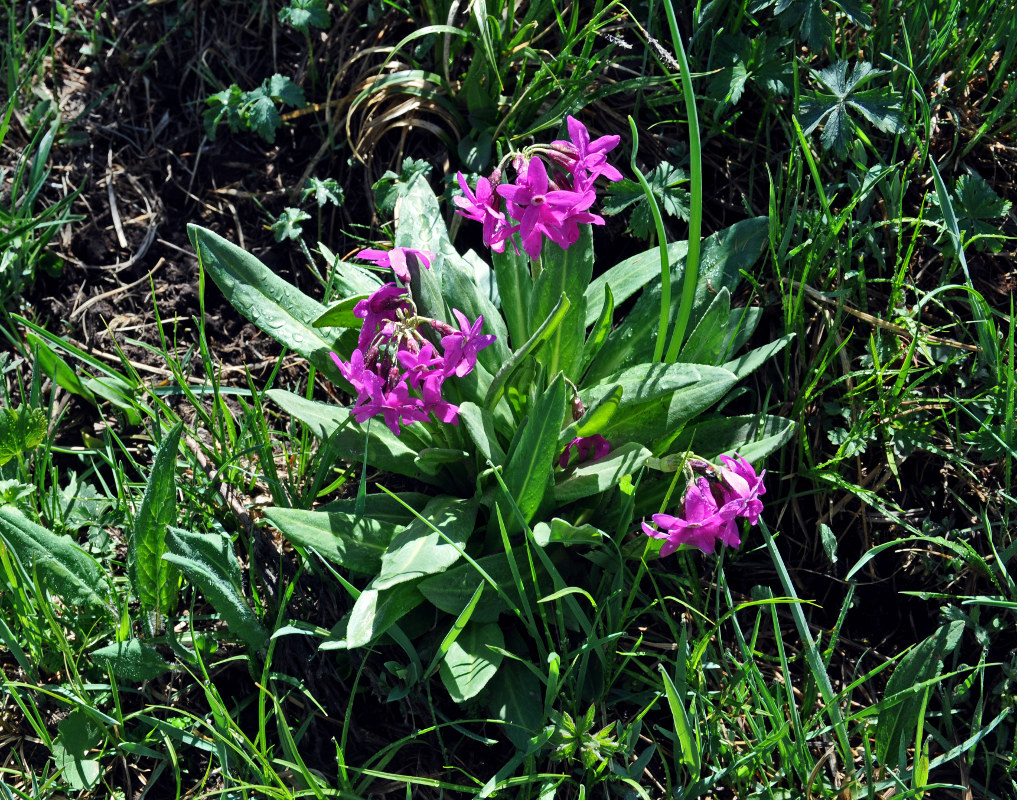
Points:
x=21 y=430
x=300 y=14
x=324 y=191
x=287 y=226
x=665 y=182
x=843 y=91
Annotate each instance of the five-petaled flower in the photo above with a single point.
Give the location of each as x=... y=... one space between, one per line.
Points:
x=711 y=506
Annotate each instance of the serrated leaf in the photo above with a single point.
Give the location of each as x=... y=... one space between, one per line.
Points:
x=208 y=561
x=63 y=567
x=300 y=14
x=133 y=660
x=261 y=114
x=880 y=107
x=324 y=191
x=21 y=430
x=287 y=225
x=283 y=90
x=155 y=581
x=665 y=182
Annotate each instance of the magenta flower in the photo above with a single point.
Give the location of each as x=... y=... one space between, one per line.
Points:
x=378 y=310
x=418 y=365
x=394 y=403
x=704 y=523
x=434 y=402
x=589 y=157
x=542 y=211
x=396 y=258
x=461 y=347
x=740 y=488
x=483 y=207
x=583 y=445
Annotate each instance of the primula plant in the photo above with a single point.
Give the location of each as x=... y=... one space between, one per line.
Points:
x=529 y=419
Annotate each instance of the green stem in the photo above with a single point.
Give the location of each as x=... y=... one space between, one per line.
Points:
x=665 y=265
x=695 y=187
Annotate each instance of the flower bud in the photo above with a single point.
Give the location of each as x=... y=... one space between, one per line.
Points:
x=578 y=409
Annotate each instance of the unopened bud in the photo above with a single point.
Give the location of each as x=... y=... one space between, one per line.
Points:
x=394 y=376
x=442 y=327
x=578 y=409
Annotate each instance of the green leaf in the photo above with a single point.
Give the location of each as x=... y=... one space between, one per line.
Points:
x=470 y=664
x=300 y=14
x=563 y=532
x=880 y=107
x=155 y=581
x=705 y=344
x=419 y=550
x=21 y=430
x=479 y=426
x=747 y=364
x=133 y=660
x=566 y=273
x=531 y=455
x=283 y=90
x=521 y=355
x=629 y=276
x=223 y=106
x=594 y=419
x=287 y=225
x=896 y=723
x=601 y=475
x=514 y=697
x=356 y=542
x=453 y=590
x=276 y=307
x=724 y=255
x=658 y=399
x=77 y=736
x=208 y=561
x=261 y=114
x=385 y=450
x=324 y=191
x=63 y=568
x=512 y=272
x=374 y=612
x=753 y=436
x=341 y=314
x=665 y=182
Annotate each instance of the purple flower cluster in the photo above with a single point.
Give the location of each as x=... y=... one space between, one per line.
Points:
x=537 y=204
x=712 y=504
x=394 y=370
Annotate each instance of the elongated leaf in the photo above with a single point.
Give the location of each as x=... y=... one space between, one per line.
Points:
x=514 y=697
x=531 y=456
x=63 y=567
x=155 y=581
x=602 y=327
x=563 y=532
x=374 y=612
x=705 y=344
x=132 y=660
x=752 y=436
x=349 y=279
x=479 y=424
x=896 y=724
x=418 y=550
x=754 y=359
x=542 y=334
x=276 y=307
x=628 y=277
x=594 y=419
x=600 y=475
x=354 y=542
x=452 y=590
x=470 y=664
x=341 y=314
x=385 y=450
x=512 y=272
x=565 y=273
x=724 y=255
x=208 y=561
x=658 y=399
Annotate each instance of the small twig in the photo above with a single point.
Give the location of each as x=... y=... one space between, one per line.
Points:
x=77 y=312
x=879 y=323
